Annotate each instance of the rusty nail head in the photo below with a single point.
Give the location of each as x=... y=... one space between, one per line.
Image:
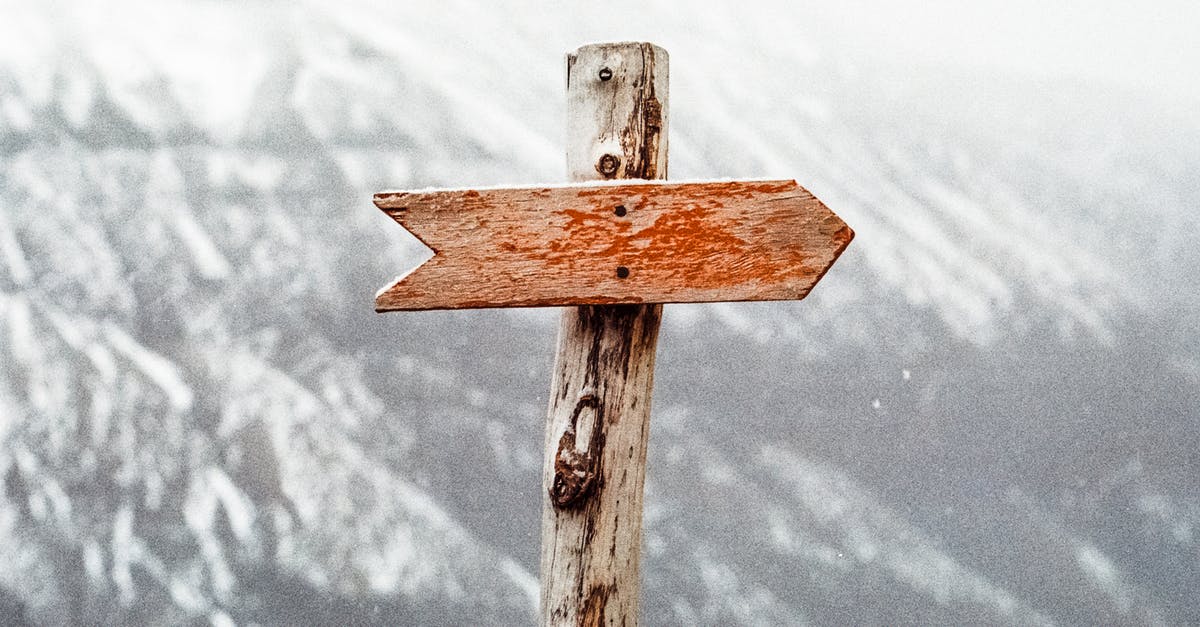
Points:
x=608 y=165
x=605 y=73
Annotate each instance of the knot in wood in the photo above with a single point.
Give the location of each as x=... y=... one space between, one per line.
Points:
x=607 y=166
x=574 y=470
x=573 y=478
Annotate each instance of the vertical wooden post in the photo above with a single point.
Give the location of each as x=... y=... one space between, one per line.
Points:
x=599 y=414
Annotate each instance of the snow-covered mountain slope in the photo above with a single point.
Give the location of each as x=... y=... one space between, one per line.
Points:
x=986 y=412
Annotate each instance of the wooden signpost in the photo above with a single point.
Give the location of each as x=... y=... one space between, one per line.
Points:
x=611 y=252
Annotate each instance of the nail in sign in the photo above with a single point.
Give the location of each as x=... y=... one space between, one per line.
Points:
x=613 y=243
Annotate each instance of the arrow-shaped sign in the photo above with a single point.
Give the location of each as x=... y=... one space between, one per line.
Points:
x=607 y=243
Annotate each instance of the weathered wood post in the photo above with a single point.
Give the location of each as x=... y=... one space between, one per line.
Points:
x=599 y=415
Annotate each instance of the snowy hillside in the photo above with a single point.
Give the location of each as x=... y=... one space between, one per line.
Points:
x=985 y=413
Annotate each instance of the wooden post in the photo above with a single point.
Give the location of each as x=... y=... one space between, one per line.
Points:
x=599 y=414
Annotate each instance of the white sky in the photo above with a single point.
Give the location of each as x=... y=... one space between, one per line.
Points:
x=1150 y=44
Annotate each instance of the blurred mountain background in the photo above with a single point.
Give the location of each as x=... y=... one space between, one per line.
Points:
x=986 y=413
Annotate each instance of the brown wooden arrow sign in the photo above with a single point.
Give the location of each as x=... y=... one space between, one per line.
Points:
x=608 y=243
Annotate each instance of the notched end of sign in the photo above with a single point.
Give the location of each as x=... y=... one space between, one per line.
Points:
x=382 y=301
x=414 y=251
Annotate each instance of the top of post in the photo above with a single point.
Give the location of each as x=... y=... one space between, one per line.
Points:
x=616 y=111
x=589 y=48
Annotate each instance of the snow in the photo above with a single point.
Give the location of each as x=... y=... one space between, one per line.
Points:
x=524 y=580
x=1105 y=575
x=260 y=172
x=236 y=505
x=93 y=561
x=167 y=194
x=27 y=41
x=215 y=56
x=498 y=129
x=871 y=531
x=200 y=511
x=21 y=338
x=14 y=114
x=124 y=550
x=221 y=619
x=156 y=368
x=10 y=252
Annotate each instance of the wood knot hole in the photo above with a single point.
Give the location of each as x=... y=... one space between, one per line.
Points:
x=607 y=166
x=575 y=470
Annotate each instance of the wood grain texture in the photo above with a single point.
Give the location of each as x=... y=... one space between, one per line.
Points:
x=596 y=436
x=599 y=416
x=552 y=246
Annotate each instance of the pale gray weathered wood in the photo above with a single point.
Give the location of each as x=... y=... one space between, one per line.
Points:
x=598 y=420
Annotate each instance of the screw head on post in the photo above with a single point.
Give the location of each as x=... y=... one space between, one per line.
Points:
x=605 y=73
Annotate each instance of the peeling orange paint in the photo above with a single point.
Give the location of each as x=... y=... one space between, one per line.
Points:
x=681 y=242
